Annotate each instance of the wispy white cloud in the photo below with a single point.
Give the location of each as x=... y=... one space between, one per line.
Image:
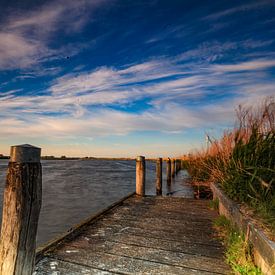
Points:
x=260 y=64
x=25 y=38
x=253 y=44
x=207 y=51
x=238 y=9
x=17 y=51
x=105 y=78
x=80 y=99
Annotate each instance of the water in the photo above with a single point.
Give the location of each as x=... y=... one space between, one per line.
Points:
x=73 y=190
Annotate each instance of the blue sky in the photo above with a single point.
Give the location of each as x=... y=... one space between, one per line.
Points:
x=123 y=78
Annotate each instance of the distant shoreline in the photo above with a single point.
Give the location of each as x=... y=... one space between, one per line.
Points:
x=84 y=158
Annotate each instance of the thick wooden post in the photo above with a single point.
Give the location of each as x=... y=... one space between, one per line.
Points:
x=159 y=177
x=21 y=208
x=140 y=176
x=173 y=168
x=168 y=171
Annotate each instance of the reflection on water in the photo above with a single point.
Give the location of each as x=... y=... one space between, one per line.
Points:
x=75 y=189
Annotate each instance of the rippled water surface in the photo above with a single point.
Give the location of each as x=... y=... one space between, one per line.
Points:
x=75 y=189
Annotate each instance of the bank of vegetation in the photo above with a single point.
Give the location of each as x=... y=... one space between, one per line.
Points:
x=242 y=161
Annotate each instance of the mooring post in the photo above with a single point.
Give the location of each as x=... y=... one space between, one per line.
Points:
x=140 y=176
x=159 y=177
x=173 y=164
x=168 y=171
x=21 y=208
x=179 y=165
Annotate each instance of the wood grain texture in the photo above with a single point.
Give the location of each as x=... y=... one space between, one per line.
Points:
x=144 y=235
x=21 y=208
x=159 y=177
x=168 y=171
x=140 y=176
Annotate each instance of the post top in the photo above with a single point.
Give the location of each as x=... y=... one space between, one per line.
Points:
x=25 y=145
x=159 y=159
x=140 y=158
x=25 y=153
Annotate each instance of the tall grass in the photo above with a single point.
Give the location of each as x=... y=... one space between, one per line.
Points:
x=243 y=160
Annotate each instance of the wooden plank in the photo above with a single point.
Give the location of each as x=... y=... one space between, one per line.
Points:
x=175 y=209
x=149 y=235
x=54 y=266
x=110 y=230
x=125 y=264
x=76 y=230
x=168 y=215
x=177 y=246
x=176 y=258
x=168 y=223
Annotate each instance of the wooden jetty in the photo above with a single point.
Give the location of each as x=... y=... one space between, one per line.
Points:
x=137 y=235
x=141 y=235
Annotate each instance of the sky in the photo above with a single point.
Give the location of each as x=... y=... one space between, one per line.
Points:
x=122 y=78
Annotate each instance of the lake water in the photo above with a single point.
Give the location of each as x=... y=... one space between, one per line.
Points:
x=73 y=190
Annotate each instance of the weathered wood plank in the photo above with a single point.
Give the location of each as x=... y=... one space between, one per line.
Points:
x=110 y=231
x=118 y=228
x=150 y=235
x=166 y=214
x=159 y=243
x=158 y=221
x=140 y=251
x=125 y=264
x=168 y=202
x=54 y=266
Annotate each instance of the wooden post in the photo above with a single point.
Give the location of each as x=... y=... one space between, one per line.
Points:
x=21 y=208
x=140 y=176
x=173 y=164
x=168 y=171
x=178 y=166
x=159 y=177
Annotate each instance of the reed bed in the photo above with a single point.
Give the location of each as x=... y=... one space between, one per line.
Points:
x=242 y=161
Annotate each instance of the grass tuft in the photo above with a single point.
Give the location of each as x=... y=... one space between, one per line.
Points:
x=238 y=250
x=214 y=204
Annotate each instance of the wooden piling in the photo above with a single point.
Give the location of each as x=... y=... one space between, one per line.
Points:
x=177 y=166
x=140 y=176
x=159 y=177
x=173 y=168
x=168 y=171
x=21 y=208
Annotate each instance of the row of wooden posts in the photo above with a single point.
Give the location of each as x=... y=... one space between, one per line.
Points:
x=22 y=203
x=172 y=168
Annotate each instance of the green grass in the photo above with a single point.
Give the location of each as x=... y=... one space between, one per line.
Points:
x=238 y=250
x=214 y=204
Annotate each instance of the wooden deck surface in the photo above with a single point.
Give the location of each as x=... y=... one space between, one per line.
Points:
x=150 y=235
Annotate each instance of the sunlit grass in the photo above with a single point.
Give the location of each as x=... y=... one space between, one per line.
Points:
x=238 y=250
